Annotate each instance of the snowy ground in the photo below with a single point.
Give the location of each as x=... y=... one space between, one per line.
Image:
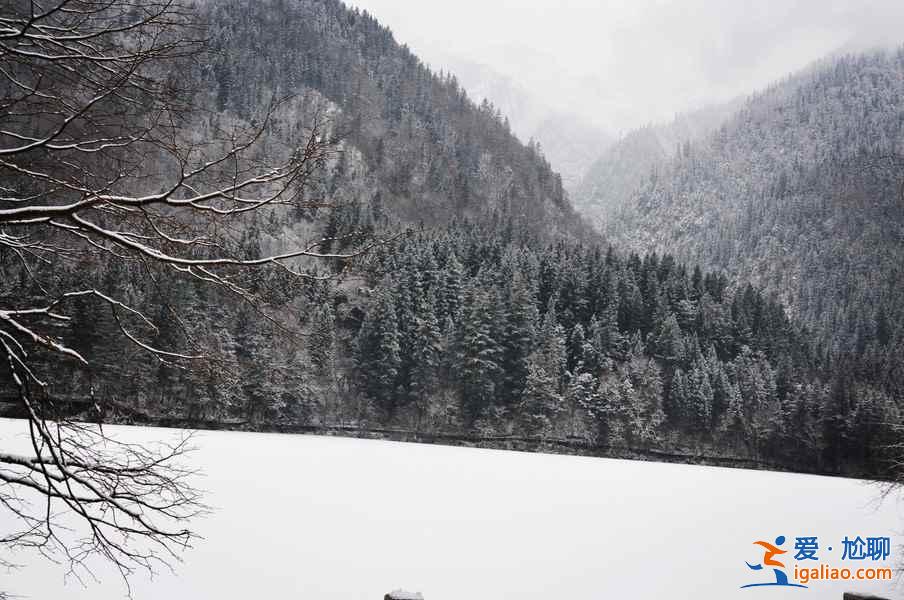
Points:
x=315 y=518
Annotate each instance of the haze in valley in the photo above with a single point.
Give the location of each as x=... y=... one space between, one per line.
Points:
x=619 y=64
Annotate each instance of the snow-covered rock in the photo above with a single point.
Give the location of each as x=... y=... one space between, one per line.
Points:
x=403 y=595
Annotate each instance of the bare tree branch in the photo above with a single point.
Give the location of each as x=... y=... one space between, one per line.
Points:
x=97 y=160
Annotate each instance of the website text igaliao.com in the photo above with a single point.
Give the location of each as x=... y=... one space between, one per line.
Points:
x=806 y=575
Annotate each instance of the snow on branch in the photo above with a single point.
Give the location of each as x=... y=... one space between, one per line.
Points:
x=102 y=161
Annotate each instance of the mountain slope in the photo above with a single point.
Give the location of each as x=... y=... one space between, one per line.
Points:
x=800 y=193
x=427 y=152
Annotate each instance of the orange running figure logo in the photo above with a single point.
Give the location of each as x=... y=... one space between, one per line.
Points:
x=771 y=551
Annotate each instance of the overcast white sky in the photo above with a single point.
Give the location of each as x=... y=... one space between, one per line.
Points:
x=624 y=63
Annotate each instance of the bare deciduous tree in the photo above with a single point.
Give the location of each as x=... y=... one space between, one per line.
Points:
x=97 y=158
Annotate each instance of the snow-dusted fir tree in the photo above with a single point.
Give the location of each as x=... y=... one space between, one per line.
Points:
x=377 y=352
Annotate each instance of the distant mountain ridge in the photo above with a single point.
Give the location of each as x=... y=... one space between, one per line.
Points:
x=606 y=187
x=800 y=193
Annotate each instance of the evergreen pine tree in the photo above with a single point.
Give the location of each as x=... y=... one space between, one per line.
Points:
x=378 y=352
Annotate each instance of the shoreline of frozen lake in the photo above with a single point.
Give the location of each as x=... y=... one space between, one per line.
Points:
x=328 y=518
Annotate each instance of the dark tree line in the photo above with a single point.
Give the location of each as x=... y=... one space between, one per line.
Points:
x=512 y=335
x=482 y=328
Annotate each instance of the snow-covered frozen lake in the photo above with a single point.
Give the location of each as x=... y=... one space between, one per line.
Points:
x=317 y=518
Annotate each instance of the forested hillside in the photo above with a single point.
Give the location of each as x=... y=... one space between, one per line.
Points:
x=495 y=313
x=425 y=151
x=800 y=193
x=467 y=330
